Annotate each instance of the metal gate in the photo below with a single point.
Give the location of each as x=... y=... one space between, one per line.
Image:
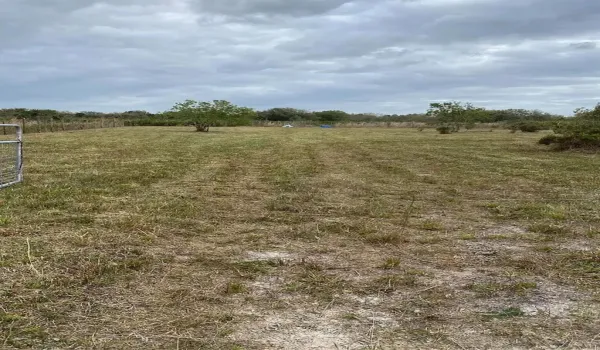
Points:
x=11 y=154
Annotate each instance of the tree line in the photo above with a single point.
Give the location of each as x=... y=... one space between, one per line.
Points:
x=580 y=131
x=224 y=113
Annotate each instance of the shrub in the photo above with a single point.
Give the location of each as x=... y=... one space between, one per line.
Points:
x=530 y=127
x=563 y=142
x=444 y=129
x=581 y=131
x=548 y=139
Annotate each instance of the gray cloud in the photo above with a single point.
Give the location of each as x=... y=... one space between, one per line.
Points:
x=384 y=56
x=268 y=7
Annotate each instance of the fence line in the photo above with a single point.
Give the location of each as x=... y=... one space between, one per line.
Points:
x=49 y=125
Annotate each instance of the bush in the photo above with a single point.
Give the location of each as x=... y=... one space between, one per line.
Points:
x=562 y=142
x=530 y=127
x=444 y=129
x=548 y=139
x=581 y=131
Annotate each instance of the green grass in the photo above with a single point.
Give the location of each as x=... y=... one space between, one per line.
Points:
x=154 y=238
x=506 y=313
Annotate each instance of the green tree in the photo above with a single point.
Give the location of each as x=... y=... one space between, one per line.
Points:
x=453 y=115
x=203 y=115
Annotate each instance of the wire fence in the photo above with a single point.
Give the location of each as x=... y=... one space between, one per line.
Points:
x=49 y=125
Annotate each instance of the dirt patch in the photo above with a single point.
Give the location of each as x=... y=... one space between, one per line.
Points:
x=266 y=256
x=506 y=230
x=266 y=285
x=551 y=300
x=301 y=329
x=541 y=297
x=580 y=246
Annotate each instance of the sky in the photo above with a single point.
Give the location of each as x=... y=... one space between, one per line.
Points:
x=380 y=56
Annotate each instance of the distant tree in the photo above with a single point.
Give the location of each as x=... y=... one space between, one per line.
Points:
x=331 y=116
x=588 y=114
x=136 y=114
x=505 y=115
x=203 y=115
x=284 y=114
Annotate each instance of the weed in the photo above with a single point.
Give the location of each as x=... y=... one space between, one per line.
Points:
x=432 y=225
x=4 y=221
x=351 y=317
x=235 y=288
x=467 y=237
x=583 y=264
x=536 y=211
x=6 y=318
x=506 y=313
x=549 y=229
x=392 y=283
x=385 y=238
x=317 y=284
x=258 y=266
x=391 y=263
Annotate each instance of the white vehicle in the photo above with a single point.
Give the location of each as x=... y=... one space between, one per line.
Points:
x=288 y=126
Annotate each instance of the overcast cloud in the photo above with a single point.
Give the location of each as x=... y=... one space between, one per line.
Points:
x=384 y=56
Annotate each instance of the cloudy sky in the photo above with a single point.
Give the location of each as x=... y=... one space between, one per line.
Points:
x=384 y=56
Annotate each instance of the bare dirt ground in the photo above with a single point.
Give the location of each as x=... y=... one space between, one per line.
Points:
x=258 y=238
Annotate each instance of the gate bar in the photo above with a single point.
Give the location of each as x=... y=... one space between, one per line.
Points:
x=19 y=160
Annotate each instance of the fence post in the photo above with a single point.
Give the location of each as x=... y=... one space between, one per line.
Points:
x=23 y=125
x=19 y=154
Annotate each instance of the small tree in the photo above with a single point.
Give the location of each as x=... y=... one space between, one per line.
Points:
x=203 y=115
x=453 y=115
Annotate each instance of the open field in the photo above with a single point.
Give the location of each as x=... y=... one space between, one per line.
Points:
x=271 y=238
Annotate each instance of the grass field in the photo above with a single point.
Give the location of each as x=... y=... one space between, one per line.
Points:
x=271 y=238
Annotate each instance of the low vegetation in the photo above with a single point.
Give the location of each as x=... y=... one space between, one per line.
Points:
x=580 y=132
x=271 y=238
x=448 y=116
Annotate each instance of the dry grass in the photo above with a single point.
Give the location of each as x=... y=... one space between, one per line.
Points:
x=255 y=238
